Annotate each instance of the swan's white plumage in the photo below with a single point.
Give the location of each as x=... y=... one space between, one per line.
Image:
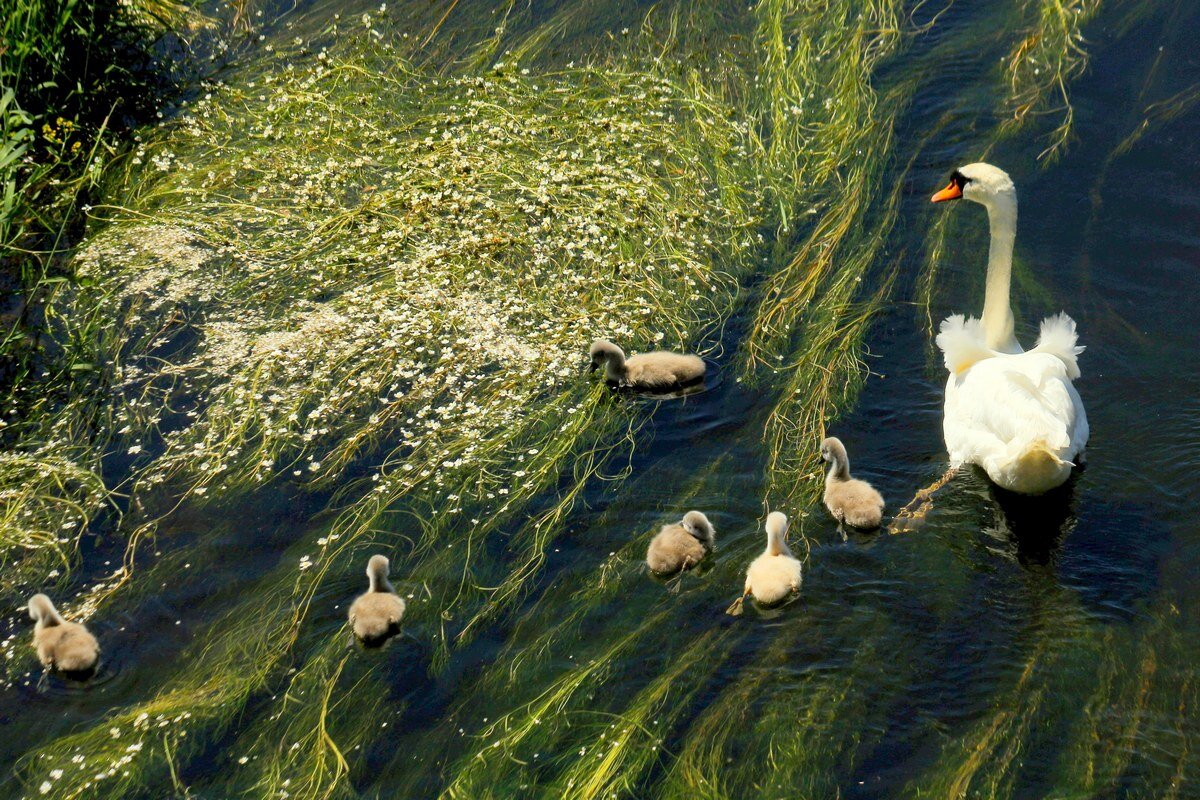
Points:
x=1019 y=418
x=1058 y=338
x=1016 y=414
x=961 y=342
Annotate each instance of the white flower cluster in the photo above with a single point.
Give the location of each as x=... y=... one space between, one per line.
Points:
x=404 y=280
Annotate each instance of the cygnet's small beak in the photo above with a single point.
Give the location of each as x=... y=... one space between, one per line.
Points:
x=593 y=366
x=951 y=192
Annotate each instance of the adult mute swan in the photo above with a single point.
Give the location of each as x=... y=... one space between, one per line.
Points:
x=1015 y=413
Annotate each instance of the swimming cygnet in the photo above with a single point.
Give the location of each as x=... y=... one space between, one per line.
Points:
x=775 y=575
x=645 y=371
x=682 y=545
x=375 y=615
x=61 y=645
x=851 y=501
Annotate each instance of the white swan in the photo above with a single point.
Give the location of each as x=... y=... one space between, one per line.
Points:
x=1012 y=412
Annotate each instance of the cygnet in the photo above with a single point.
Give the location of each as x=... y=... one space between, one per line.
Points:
x=375 y=615
x=775 y=575
x=61 y=645
x=851 y=501
x=682 y=545
x=646 y=371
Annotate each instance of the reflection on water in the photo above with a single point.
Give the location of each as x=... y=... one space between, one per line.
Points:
x=1034 y=526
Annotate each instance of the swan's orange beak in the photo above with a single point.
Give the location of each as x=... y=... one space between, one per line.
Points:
x=951 y=192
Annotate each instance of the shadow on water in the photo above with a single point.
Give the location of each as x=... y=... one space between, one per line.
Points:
x=1113 y=557
x=1035 y=526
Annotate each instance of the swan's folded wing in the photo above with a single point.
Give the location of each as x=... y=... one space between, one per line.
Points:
x=1058 y=338
x=1010 y=401
x=961 y=341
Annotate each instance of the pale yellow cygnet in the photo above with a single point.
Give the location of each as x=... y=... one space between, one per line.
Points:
x=776 y=574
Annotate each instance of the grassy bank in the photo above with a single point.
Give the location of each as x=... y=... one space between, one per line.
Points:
x=74 y=78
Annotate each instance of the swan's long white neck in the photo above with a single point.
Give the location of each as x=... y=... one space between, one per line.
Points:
x=997 y=307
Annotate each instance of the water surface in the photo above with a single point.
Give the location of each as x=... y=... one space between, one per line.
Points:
x=1007 y=647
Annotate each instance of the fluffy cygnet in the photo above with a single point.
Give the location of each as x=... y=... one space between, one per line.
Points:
x=645 y=371
x=682 y=545
x=851 y=501
x=775 y=575
x=376 y=615
x=61 y=645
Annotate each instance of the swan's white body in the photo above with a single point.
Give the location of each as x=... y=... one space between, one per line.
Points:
x=1015 y=413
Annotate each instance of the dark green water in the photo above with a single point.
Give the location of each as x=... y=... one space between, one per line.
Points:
x=1007 y=647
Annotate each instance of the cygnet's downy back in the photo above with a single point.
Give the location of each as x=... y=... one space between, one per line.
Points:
x=682 y=545
x=646 y=372
x=375 y=616
x=62 y=645
x=776 y=574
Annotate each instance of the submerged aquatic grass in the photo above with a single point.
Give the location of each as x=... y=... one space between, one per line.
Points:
x=1042 y=65
x=808 y=326
x=393 y=304
x=45 y=503
x=350 y=276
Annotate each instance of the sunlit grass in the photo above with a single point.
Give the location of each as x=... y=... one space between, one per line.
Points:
x=402 y=297
x=367 y=278
x=45 y=504
x=1042 y=65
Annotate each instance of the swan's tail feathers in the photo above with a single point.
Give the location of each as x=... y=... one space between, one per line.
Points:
x=1058 y=338
x=961 y=342
x=1039 y=452
x=1032 y=467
